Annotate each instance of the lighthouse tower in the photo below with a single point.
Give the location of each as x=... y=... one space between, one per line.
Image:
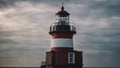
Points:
x=62 y=53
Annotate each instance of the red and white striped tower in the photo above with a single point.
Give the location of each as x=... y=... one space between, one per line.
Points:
x=62 y=53
x=62 y=32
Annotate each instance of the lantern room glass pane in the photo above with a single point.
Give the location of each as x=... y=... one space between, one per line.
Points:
x=62 y=19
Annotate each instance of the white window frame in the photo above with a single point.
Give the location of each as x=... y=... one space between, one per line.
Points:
x=71 y=57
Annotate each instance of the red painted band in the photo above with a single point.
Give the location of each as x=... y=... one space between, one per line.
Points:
x=62 y=35
x=61 y=49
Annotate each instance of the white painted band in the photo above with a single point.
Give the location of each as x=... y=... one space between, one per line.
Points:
x=61 y=42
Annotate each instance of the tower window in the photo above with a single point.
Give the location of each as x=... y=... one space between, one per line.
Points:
x=71 y=57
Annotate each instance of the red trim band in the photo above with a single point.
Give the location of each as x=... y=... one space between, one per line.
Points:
x=61 y=49
x=62 y=35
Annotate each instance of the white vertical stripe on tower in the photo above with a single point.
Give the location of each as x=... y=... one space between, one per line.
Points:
x=61 y=42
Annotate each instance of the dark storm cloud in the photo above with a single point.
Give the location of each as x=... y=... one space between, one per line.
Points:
x=6 y=3
x=2 y=34
x=2 y=3
x=97 y=22
x=5 y=41
x=100 y=42
x=110 y=7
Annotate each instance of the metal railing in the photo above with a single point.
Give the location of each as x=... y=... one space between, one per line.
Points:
x=53 y=27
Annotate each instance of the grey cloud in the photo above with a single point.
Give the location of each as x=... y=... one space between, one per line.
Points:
x=97 y=33
x=5 y=41
x=103 y=8
x=100 y=43
x=6 y=3
x=109 y=7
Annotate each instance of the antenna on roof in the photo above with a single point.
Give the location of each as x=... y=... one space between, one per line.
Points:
x=62 y=8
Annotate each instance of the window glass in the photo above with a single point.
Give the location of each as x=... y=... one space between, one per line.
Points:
x=71 y=57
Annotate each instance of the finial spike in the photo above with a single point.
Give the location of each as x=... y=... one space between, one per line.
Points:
x=62 y=8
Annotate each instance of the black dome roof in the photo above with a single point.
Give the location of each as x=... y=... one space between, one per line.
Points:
x=62 y=12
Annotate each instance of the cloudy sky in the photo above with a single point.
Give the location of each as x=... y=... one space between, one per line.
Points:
x=24 y=27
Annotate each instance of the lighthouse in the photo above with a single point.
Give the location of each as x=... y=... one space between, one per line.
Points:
x=62 y=32
x=62 y=53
